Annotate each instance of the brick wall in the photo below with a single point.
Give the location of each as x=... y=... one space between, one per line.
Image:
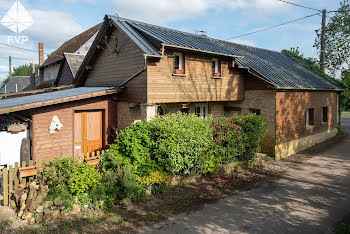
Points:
x=47 y=146
x=291 y=113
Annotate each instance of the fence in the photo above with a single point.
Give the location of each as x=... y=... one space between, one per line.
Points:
x=15 y=177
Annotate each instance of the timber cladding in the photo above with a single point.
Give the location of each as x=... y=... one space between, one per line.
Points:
x=291 y=110
x=198 y=84
x=47 y=146
x=117 y=59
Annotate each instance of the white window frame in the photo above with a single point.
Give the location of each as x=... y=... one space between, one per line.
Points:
x=307 y=117
x=203 y=110
x=180 y=60
x=216 y=69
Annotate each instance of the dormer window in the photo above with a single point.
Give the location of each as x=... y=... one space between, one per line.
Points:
x=215 y=67
x=178 y=63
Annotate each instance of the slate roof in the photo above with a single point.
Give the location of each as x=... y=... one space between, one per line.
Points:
x=73 y=45
x=50 y=96
x=277 y=68
x=74 y=61
x=23 y=84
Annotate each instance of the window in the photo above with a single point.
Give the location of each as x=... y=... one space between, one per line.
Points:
x=201 y=110
x=325 y=114
x=215 y=67
x=255 y=111
x=310 y=117
x=160 y=110
x=178 y=63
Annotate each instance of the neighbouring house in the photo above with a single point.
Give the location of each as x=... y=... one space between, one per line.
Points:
x=80 y=44
x=134 y=71
x=17 y=84
x=68 y=69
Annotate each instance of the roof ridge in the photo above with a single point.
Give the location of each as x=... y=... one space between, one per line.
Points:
x=192 y=34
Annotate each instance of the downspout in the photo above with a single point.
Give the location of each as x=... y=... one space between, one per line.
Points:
x=137 y=73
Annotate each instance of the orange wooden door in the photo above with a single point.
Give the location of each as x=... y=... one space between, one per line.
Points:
x=92 y=131
x=87 y=132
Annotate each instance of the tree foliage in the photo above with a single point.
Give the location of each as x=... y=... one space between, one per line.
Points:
x=337 y=40
x=310 y=63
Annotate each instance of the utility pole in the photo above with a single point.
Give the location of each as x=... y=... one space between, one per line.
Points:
x=10 y=67
x=323 y=40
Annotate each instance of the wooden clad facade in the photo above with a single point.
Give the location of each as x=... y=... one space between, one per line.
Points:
x=118 y=59
x=65 y=76
x=46 y=146
x=198 y=84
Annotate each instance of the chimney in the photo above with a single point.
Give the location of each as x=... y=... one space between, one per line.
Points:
x=41 y=61
x=32 y=76
x=41 y=53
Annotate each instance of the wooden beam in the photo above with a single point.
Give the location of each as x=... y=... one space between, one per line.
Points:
x=57 y=101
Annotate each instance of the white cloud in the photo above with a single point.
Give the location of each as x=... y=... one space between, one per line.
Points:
x=52 y=27
x=243 y=42
x=4 y=68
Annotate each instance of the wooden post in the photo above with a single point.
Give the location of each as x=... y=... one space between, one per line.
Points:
x=323 y=41
x=10 y=67
x=32 y=75
x=10 y=181
x=16 y=175
x=23 y=180
x=5 y=186
x=31 y=164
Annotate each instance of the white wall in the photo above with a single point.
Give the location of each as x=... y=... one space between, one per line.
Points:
x=10 y=147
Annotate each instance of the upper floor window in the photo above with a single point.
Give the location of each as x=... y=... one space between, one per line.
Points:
x=325 y=114
x=310 y=114
x=215 y=67
x=178 y=63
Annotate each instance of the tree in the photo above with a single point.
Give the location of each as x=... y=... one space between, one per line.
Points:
x=310 y=63
x=337 y=41
x=345 y=96
x=22 y=70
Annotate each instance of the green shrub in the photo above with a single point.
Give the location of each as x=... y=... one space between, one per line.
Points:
x=83 y=177
x=253 y=131
x=227 y=136
x=57 y=172
x=132 y=148
x=181 y=142
x=238 y=138
x=174 y=143
x=65 y=174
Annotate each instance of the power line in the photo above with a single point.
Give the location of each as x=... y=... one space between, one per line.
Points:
x=275 y=26
x=21 y=48
x=24 y=59
x=294 y=4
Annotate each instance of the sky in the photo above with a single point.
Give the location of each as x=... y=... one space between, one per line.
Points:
x=57 y=21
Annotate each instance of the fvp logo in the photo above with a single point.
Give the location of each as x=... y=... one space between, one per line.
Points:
x=17 y=19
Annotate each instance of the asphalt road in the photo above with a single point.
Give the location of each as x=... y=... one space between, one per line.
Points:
x=309 y=198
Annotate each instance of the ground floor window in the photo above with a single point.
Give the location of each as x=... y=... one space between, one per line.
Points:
x=160 y=110
x=255 y=111
x=325 y=114
x=310 y=117
x=201 y=110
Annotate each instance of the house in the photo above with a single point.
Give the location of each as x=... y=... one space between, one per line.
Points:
x=78 y=45
x=16 y=84
x=134 y=71
x=68 y=69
